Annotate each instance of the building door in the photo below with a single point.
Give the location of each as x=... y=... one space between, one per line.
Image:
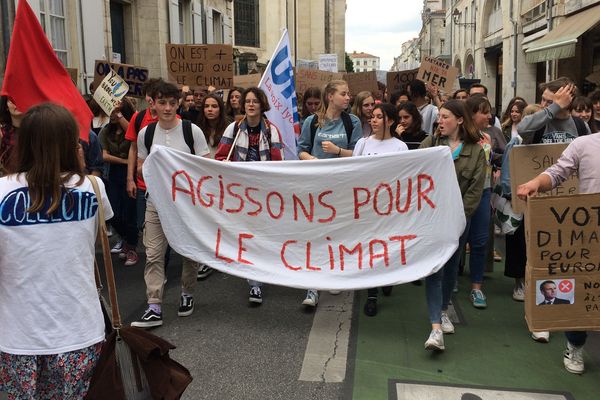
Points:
x=117 y=26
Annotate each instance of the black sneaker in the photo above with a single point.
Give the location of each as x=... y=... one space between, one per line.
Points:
x=186 y=306
x=150 y=319
x=371 y=307
x=203 y=272
x=255 y=295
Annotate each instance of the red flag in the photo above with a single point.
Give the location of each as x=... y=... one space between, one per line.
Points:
x=34 y=74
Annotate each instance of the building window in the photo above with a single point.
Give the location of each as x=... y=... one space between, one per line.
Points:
x=246 y=18
x=181 y=22
x=365 y=62
x=52 y=18
x=217 y=27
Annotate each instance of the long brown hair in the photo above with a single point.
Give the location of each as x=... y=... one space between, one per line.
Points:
x=358 y=102
x=47 y=154
x=330 y=88
x=466 y=131
x=204 y=124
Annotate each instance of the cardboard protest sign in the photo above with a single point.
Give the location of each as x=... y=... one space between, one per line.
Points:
x=246 y=81
x=328 y=62
x=200 y=66
x=528 y=161
x=134 y=75
x=392 y=220
x=306 y=78
x=562 y=287
x=437 y=73
x=398 y=80
x=110 y=92
x=73 y=73
x=361 y=81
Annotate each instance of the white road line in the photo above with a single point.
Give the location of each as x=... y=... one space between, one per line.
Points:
x=327 y=349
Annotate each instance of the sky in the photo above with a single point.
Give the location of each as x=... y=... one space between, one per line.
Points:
x=379 y=27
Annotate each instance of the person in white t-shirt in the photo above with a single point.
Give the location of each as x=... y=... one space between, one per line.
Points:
x=382 y=140
x=52 y=324
x=184 y=136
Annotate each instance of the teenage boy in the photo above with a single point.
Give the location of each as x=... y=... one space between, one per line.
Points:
x=172 y=132
x=429 y=112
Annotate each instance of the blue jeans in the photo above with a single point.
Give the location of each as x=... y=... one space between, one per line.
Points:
x=479 y=232
x=140 y=208
x=576 y=338
x=439 y=286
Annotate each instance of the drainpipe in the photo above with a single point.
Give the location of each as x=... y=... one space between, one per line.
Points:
x=6 y=29
x=84 y=63
x=549 y=19
x=514 y=26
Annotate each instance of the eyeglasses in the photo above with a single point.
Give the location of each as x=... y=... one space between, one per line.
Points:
x=252 y=101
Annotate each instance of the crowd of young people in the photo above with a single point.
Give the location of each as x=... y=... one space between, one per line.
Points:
x=236 y=129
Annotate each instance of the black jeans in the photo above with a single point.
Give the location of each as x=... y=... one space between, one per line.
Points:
x=124 y=207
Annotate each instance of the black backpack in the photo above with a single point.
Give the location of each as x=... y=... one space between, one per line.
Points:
x=187 y=135
x=138 y=120
x=347 y=126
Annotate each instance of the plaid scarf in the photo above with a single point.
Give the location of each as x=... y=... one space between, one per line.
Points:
x=269 y=145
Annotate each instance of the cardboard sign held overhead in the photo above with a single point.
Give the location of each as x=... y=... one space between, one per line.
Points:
x=528 y=161
x=134 y=75
x=200 y=66
x=398 y=80
x=306 y=78
x=361 y=81
x=563 y=246
x=328 y=62
x=246 y=81
x=437 y=73
x=110 y=92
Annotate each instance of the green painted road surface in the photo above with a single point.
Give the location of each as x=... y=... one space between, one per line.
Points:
x=491 y=348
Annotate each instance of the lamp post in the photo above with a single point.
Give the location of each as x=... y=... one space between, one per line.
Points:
x=456 y=17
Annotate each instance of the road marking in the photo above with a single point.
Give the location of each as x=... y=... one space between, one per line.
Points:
x=327 y=349
x=417 y=391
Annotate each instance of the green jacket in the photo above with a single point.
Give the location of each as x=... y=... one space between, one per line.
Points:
x=470 y=171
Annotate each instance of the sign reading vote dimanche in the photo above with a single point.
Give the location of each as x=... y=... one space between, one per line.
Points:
x=200 y=66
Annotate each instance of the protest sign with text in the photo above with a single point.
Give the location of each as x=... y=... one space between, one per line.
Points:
x=328 y=62
x=528 y=161
x=200 y=65
x=110 y=92
x=563 y=250
x=278 y=84
x=134 y=75
x=437 y=73
x=383 y=220
x=306 y=78
x=399 y=79
x=362 y=81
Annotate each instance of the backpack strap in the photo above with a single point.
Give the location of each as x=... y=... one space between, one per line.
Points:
x=138 y=120
x=187 y=135
x=149 y=136
x=580 y=125
x=347 y=125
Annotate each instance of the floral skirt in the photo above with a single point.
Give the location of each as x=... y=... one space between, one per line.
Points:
x=57 y=376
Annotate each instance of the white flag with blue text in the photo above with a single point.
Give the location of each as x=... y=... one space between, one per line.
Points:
x=278 y=84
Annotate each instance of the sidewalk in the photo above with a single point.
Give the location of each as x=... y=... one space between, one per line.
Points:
x=491 y=348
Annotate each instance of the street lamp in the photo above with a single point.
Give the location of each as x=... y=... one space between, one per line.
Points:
x=456 y=17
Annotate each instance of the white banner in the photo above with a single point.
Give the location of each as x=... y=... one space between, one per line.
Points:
x=278 y=84
x=338 y=224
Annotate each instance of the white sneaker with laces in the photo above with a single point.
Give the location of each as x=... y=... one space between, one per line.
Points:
x=541 y=336
x=312 y=298
x=447 y=325
x=573 y=359
x=435 y=341
x=518 y=294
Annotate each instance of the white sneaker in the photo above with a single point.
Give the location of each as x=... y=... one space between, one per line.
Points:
x=335 y=292
x=435 y=341
x=541 y=336
x=447 y=325
x=573 y=359
x=312 y=298
x=518 y=294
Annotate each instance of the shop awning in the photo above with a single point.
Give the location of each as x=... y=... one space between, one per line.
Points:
x=561 y=41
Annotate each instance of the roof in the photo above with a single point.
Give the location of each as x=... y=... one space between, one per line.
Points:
x=361 y=55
